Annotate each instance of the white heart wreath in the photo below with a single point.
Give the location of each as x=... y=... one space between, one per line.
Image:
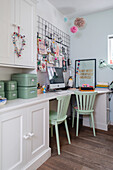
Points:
x=16 y=37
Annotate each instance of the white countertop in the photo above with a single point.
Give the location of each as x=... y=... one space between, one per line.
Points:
x=102 y=90
x=18 y=103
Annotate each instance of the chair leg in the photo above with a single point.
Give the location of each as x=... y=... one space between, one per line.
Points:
x=67 y=131
x=57 y=138
x=77 y=124
x=73 y=116
x=90 y=120
x=51 y=130
x=93 y=124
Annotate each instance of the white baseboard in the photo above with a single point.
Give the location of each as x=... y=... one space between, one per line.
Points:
x=39 y=160
x=111 y=123
x=97 y=125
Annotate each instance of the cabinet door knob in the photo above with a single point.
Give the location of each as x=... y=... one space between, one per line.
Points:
x=14 y=25
x=31 y=134
x=26 y=136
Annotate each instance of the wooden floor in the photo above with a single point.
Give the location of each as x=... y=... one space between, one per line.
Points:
x=85 y=152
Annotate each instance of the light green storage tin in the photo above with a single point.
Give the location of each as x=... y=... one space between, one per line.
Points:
x=27 y=92
x=1 y=86
x=2 y=94
x=10 y=95
x=25 y=80
x=10 y=85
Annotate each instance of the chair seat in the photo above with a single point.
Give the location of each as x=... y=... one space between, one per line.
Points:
x=83 y=111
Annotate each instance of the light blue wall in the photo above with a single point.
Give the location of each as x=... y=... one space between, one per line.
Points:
x=91 y=42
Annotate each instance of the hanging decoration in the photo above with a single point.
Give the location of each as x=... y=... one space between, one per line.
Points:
x=65 y=19
x=78 y=65
x=17 y=37
x=79 y=22
x=73 y=29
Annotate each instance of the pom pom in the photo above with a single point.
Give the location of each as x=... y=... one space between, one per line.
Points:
x=74 y=29
x=79 y=22
x=65 y=19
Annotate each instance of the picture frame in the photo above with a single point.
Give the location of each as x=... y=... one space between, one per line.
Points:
x=85 y=72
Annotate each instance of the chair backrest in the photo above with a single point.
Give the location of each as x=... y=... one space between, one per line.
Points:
x=85 y=100
x=63 y=103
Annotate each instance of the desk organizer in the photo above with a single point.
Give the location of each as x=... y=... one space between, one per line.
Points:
x=86 y=89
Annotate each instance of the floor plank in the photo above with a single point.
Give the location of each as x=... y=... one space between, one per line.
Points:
x=85 y=152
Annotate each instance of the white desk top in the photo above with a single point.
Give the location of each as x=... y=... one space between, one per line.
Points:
x=102 y=90
x=18 y=103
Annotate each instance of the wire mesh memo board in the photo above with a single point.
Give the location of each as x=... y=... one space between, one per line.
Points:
x=48 y=31
x=85 y=72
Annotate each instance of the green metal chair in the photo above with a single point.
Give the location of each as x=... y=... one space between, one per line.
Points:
x=85 y=106
x=60 y=116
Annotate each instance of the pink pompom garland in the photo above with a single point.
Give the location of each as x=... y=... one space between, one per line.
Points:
x=79 y=22
x=73 y=29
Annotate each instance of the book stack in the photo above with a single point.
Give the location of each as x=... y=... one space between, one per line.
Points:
x=102 y=85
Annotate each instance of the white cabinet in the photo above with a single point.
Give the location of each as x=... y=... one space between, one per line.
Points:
x=25 y=18
x=24 y=137
x=6 y=30
x=14 y=13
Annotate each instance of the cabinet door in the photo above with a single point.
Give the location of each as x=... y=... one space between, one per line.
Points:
x=38 y=125
x=25 y=18
x=12 y=143
x=6 y=31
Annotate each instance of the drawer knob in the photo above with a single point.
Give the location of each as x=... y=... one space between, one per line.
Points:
x=26 y=136
x=31 y=134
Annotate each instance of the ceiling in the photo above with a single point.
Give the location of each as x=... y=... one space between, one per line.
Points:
x=76 y=8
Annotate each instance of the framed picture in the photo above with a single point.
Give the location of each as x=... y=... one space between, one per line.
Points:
x=85 y=72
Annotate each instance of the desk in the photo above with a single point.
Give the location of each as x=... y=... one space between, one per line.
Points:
x=101 y=109
x=30 y=118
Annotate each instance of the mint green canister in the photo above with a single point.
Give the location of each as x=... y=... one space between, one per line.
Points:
x=10 y=85
x=2 y=94
x=1 y=86
x=11 y=95
x=25 y=80
x=27 y=92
